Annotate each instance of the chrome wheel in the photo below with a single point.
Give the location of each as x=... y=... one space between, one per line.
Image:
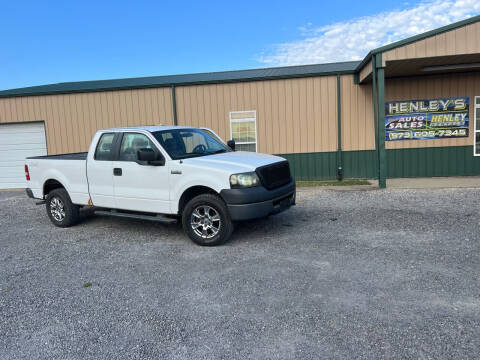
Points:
x=205 y=221
x=57 y=209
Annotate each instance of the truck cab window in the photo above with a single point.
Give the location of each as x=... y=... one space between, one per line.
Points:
x=131 y=143
x=105 y=147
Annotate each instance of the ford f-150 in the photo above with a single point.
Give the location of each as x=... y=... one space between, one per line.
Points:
x=163 y=173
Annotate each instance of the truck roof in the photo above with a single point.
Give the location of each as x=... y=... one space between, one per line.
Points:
x=150 y=128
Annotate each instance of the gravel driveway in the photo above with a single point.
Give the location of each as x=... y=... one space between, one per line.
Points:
x=344 y=274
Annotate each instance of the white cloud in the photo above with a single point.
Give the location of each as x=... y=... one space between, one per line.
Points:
x=351 y=40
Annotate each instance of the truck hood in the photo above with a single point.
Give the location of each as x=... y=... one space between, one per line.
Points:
x=235 y=161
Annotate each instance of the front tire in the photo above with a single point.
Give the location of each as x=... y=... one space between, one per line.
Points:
x=206 y=220
x=60 y=209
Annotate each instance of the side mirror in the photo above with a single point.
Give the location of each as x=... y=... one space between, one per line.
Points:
x=148 y=157
x=231 y=144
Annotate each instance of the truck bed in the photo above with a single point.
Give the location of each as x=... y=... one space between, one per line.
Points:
x=68 y=169
x=71 y=156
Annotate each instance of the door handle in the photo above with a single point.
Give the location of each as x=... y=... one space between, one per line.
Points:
x=117 y=171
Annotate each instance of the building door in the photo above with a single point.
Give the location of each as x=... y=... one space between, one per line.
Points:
x=17 y=142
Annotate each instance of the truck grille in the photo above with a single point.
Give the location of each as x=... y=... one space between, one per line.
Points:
x=274 y=175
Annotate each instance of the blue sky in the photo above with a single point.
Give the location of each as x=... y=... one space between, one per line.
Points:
x=48 y=41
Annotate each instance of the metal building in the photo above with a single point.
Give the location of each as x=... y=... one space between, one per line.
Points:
x=408 y=109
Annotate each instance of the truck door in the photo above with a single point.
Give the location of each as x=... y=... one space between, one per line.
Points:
x=100 y=172
x=139 y=187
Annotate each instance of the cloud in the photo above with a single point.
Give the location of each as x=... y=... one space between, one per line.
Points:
x=352 y=40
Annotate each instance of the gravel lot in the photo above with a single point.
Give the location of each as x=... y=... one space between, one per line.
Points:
x=344 y=274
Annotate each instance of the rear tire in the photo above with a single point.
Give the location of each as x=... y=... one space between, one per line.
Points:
x=206 y=220
x=60 y=209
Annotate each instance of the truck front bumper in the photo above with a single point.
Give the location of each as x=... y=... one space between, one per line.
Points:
x=258 y=202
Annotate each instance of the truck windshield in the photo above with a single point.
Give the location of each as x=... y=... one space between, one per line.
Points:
x=186 y=143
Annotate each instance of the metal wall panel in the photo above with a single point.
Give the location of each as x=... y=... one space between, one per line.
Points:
x=72 y=119
x=427 y=87
x=323 y=166
x=428 y=162
x=358 y=128
x=293 y=116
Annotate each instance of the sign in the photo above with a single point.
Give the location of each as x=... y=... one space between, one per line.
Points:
x=426 y=119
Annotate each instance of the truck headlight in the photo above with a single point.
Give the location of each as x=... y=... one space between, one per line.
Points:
x=244 y=180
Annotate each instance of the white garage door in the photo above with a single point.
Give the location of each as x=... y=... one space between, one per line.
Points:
x=18 y=141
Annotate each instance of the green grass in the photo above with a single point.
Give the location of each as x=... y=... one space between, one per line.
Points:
x=87 y=284
x=348 y=182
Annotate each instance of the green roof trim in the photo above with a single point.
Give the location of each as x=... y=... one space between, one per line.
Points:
x=418 y=37
x=286 y=72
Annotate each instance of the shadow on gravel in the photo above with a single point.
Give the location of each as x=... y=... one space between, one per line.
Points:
x=285 y=224
x=244 y=230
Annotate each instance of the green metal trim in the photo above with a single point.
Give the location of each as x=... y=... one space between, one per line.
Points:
x=356 y=78
x=433 y=161
x=382 y=156
x=364 y=62
x=339 y=129
x=249 y=75
x=174 y=106
x=375 y=109
x=418 y=37
x=322 y=166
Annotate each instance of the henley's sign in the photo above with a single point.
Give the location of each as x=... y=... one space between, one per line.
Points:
x=426 y=119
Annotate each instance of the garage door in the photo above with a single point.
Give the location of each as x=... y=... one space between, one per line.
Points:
x=18 y=141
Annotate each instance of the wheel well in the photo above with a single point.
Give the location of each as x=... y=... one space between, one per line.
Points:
x=51 y=185
x=190 y=193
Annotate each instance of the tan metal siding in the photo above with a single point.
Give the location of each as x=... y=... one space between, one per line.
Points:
x=467 y=84
x=358 y=129
x=294 y=115
x=463 y=40
x=72 y=119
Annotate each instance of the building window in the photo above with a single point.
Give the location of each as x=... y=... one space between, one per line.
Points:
x=243 y=129
x=476 y=140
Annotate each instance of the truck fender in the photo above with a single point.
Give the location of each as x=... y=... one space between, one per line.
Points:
x=54 y=174
x=174 y=207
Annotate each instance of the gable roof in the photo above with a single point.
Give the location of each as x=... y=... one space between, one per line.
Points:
x=186 y=79
x=415 y=38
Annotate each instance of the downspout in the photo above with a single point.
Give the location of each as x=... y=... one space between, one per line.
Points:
x=174 y=106
x=339 y=131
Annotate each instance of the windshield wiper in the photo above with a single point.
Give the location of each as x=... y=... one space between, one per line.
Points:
x=217 y=151
x=186 y=156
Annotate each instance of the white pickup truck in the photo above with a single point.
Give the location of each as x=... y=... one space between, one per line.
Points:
x=162 y=173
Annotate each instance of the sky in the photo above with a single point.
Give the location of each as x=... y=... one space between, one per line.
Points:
x=47 y=42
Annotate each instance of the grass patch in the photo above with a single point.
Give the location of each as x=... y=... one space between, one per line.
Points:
x=87 y=284
x=348 y=182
